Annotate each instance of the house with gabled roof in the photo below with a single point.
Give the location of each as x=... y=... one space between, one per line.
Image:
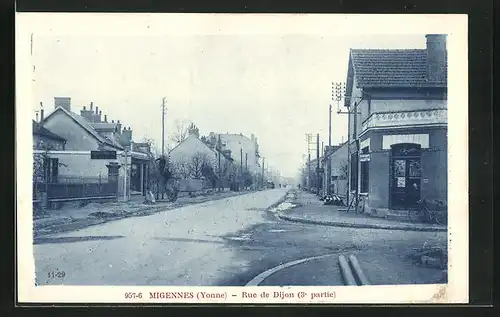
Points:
x=43 y=139
x=397 y=100
x=89 y=131
x=187 y=159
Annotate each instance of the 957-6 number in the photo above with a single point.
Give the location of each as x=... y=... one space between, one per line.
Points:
x=131 y=295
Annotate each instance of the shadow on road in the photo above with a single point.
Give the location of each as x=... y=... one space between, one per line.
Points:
x=73 y=239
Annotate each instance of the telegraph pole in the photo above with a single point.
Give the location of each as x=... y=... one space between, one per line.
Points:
x=241 y=167
x=263 y=162
x=219 y=149
x=163 y=108
x=309 y=171
x=318 y=175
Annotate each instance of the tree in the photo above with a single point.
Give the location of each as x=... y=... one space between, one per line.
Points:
x=181 y=169
x=198 y=161
x=181 y=131
x=344 y=169
x=41 y=169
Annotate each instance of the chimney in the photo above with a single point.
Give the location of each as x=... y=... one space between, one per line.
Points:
x=41 y=115
x=436 y=57
x=193 y=130
x=91 y=106
x=64 y=102
x=127 y=135
x=100 y=114
x=37 y=117
x=119 y=126
x=106 y=118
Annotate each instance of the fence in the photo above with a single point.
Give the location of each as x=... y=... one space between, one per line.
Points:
x=74 y=188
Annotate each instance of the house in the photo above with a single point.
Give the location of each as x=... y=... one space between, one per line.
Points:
x=43 y=139
x=89 y=133
x=245 y=150
x=337 y=155
x=190 y=158
x=397 y=100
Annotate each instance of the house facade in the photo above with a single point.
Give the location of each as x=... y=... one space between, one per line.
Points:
x=397 y=101
x=87 y=132
x=188 y=158
x=245 y=150
x=337 y=155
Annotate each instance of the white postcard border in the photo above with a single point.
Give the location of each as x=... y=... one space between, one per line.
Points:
x=456 y=291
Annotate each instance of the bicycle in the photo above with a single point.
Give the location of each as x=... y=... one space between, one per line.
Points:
x=425 y=214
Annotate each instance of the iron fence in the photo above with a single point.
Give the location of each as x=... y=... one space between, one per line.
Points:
x=70 y=187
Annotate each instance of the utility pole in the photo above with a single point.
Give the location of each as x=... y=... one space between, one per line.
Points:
x=328 y=153
x=241 y=167
x=340 y=92
x=309 y=170
x=310 y=142
x=219 y=149
x=163 y=108
x=318 y=175
x=263 y=162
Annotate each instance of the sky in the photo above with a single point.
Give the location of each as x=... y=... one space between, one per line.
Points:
x=277 y=87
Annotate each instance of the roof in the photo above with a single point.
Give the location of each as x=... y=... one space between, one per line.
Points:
x=104 y=126
x=211 y=149
x=87 y=126
x=391 y=68
x=232 y=136
x=40 y=130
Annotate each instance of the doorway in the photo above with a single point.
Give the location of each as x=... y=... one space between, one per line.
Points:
x=405 y=175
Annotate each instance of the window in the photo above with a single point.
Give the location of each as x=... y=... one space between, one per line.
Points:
x=364 y=176
x=354 y=171
x=365 y=172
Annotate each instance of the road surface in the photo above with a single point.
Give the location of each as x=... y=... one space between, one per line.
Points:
x=224 y=243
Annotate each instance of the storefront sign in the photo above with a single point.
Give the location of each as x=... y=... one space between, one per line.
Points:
x=103 y=155
x=401 y=182
x=364 y=157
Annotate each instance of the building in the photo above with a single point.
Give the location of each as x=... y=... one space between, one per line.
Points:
x=398 y=136
x=88 y=132
x=190 y=156
x=337 y=155
x=44 y=139
x=245 y=150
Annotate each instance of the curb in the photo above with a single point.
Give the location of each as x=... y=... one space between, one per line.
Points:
x=363 y=226
x=267 y=273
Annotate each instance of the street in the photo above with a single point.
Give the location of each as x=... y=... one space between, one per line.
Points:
x=224 y=243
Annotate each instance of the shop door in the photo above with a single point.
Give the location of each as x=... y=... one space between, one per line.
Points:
x=406 y=172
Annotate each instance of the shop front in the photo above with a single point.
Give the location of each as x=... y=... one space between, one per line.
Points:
x=396 y=170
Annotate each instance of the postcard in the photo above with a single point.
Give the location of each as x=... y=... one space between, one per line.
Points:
x=241 y=158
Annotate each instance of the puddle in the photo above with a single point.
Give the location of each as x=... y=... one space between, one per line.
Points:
x=278 y=230
x=283 y=206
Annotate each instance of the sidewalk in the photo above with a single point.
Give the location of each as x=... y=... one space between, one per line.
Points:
x=73 y=217
x=309 y=209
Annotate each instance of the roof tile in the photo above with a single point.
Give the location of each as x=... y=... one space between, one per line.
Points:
x=392 y=68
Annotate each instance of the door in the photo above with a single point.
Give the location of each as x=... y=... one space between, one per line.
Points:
x=405 y=179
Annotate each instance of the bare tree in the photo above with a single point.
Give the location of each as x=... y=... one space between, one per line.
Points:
x=181 y=131
x=343 y=170
x=198 y=162
x=182 y=169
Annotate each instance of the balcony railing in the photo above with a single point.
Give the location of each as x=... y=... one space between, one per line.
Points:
x=405 y=118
